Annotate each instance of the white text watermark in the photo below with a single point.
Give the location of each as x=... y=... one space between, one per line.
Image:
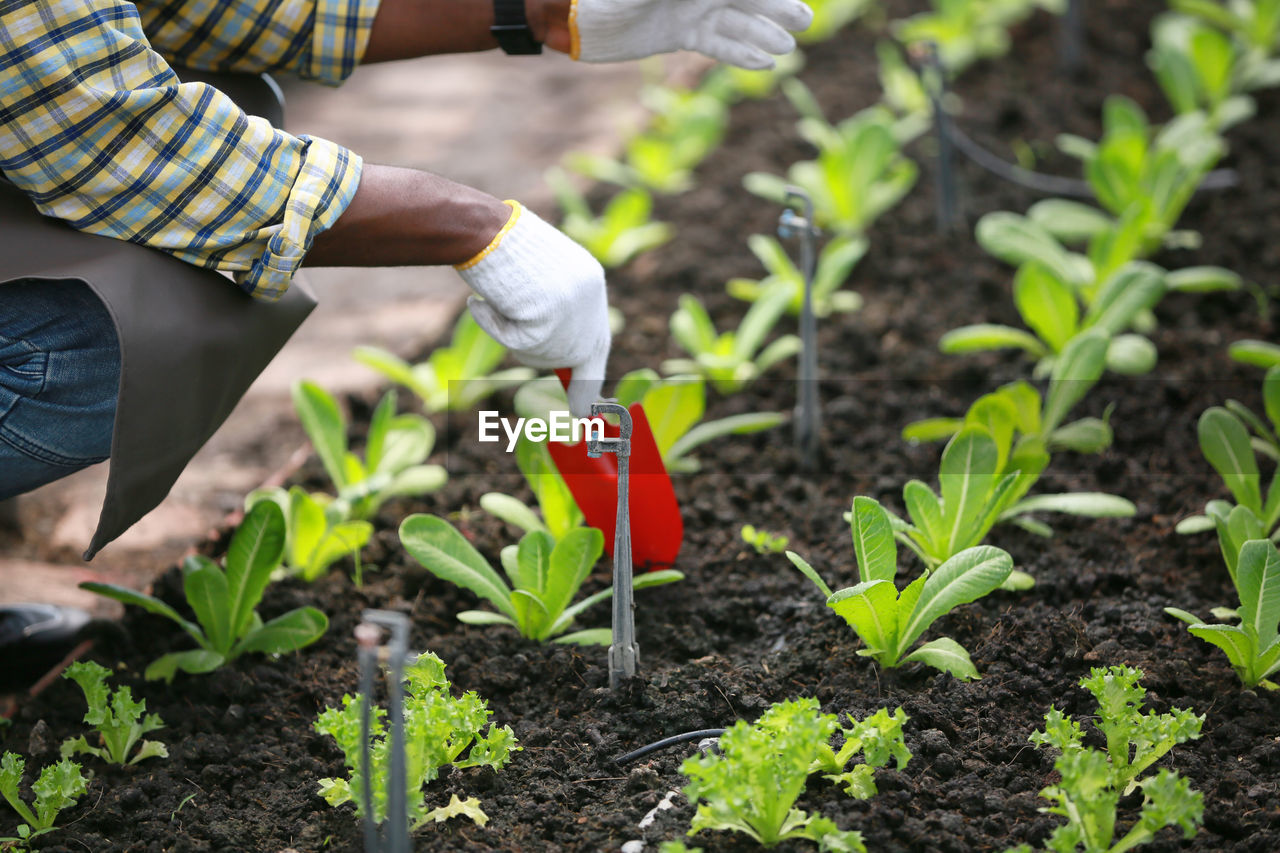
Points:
x=561 y=426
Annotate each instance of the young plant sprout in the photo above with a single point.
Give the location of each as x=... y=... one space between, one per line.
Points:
x=1234 y=440
x=317 y=531
x=859 y=174
x=1253 y=646
x=1197 y=66
x=831 y=16
x=836 y=260
x=617 y=235
x=731 y=361
x=58 y=788
x=1253 y=23
x=227 y=622
x=808 y=414
x=1094 y=780
x=118 y=720
x=966 y=31
x=752 y=785
x=559 y=512
x=430 y=729
x=888 y=621
x=454 y=378
x=544 y=574
x=395 y=450
x=763 y=541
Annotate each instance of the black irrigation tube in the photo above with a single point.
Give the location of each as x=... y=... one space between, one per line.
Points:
x=666 y=742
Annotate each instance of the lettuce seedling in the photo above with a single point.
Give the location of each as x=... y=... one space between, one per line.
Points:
x=966 y=31
x=731 y=84
x=545 y=576
x=1253 y=646
x=752 y=785
x=58 y=788
x=1234 y=439
x=118 y=719
x=1023 y=430
x=454 y=378
x=836 y=260
x=623 y=230
x=439 y=729
x=224 y=602
x=1094 y=780
x=395 y=448
x=763 y=541
x=559 y=511
x=831 y=16
x=888 y=621
x=731 y=361
x=1256 y=23
x=317 y=532
x=859 y=174
x=1196 y=67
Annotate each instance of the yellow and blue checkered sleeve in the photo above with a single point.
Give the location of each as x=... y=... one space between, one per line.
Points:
x=99 y=132
x=320 y=40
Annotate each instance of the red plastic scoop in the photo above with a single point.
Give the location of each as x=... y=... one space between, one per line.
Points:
x=656 y=527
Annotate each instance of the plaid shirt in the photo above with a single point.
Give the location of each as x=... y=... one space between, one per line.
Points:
x=99 y=131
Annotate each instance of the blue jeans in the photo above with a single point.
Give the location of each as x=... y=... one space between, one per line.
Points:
x=59 y=377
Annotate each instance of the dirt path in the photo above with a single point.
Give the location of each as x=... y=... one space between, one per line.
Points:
x=486 y=120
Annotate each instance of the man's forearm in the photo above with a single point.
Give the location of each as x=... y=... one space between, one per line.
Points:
x=407 y=28
x=404 y=217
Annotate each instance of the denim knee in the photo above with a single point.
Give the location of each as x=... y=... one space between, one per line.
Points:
x=59 y=379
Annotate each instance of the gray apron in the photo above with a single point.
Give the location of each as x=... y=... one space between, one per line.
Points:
x=191 y=342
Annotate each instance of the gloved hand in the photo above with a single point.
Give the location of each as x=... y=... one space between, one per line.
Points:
x=739 y=32
x=542 y=296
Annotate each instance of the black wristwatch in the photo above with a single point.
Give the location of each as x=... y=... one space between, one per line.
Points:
x=511 y=28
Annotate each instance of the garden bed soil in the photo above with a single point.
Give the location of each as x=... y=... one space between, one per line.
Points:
x=744 y=630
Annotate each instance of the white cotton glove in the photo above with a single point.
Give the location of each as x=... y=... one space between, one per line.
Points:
x=739 y=32
x=542 y=296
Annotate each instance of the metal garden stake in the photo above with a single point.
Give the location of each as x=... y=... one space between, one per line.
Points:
x=624 y=654
x=393 y=835
x=808 y=414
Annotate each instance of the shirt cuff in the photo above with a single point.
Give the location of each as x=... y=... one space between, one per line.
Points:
x=338 y=40
x=325 y=185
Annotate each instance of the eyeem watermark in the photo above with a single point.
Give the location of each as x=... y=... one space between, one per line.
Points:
x=561 y=427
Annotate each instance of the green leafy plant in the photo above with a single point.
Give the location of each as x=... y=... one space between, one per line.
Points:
x=1258 y=353
x=439 y=729
x=831 y=16
x=860 y=171
x=686 y=125
x=763 y=541
x=834 y=263
x=623 y=230
x=395 y=449
x=1252 y=646
x=731 y=361
x=1234 y=440
x=1012 y=434
x=1255 y=24
x=224 y=602
x=317 y=531
x=118 y=719
x=730 y=84
x=888 y=621
x=1094 y=780
x=545 y=576
x=966 y=31
x=559 y=511
x=752 y=785
x=57 y=788
x=454 y=377
x=1196 y=66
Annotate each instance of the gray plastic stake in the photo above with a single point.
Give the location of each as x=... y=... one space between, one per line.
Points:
x=624 y=653
x=808 y=414
x=393 y=835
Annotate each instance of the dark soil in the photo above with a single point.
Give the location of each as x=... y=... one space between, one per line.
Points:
x=743 y=630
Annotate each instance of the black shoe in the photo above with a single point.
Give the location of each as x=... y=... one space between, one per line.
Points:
x=34 y=638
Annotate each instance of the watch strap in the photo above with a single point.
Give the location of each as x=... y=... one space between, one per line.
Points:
x=511 y=28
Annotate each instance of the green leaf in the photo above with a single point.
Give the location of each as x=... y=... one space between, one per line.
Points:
x=966 y=476
x=484 y=617
x=873 y=541
x=1076 y=370
x=926 y=512
x=589 y=637
x=870 y=608
x=256 y=549
x=931 y=429
x=1232 y=640
x=325 y=426
x=1087 y=504
x=1087 y=435
x=152 y=605
x=1047 y=304
x=1129 y=290
x=743 y=424
x=808 y=571
x=1257 y=353
x=511 y=511
x=1203 y=279
x=444 y=552
x=947 y=655
x=206 y=589
x=287 y=633
x=1068 y=221
x=196 y=662
x=966 y=577
x=1131 y=355
x=1258 y=582
x=989 y=336
x=1225 y=443
x=571 y=562
x=673 y=407
x=1015 y=240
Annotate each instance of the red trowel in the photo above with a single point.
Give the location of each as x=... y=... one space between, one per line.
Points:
x=656 y=527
